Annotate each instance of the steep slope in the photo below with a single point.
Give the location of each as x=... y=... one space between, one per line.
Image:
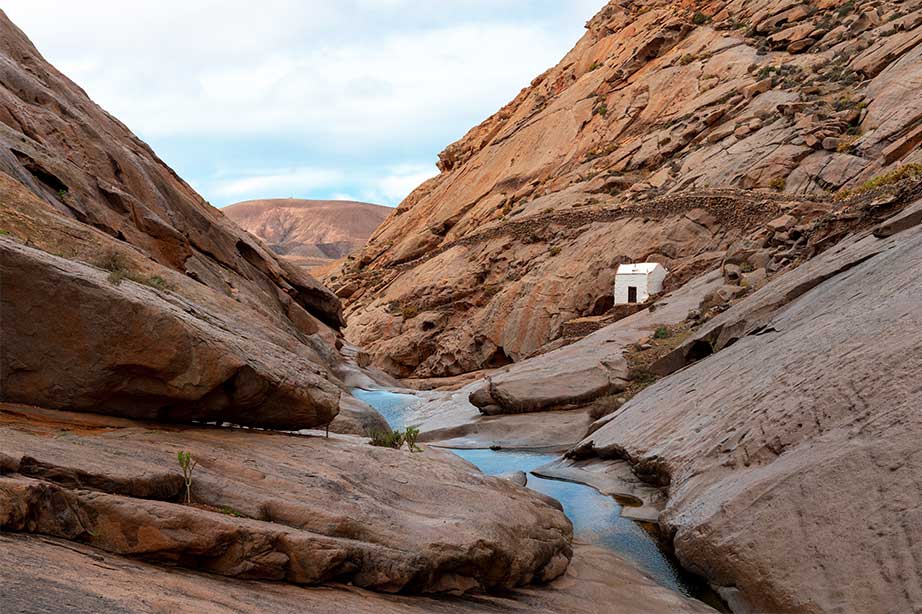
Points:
x=107 y=253
x=309 y=232
x=615 y=154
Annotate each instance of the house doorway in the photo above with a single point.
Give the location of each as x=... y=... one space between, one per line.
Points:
x=632 y=294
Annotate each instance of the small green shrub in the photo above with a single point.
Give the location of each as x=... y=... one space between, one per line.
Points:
x=386 y=439
x=602 y=109
x=595 y=65
x=907 y=171
x=555 y=250
x=777 y=184
x=746 y=267
x=396 y=438
x=4 y=233
x=686 y=59
x=187 y=464
x=62 y=192
x=661 y=333
x=699 y=18
x=229 y=511
x=410 y=435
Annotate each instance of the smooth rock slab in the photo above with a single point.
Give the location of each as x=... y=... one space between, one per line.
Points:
x=38 y=575
x=792 y=455
x=73 y=339
x=297 y=508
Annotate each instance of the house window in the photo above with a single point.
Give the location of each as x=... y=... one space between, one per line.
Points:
x=632 y=294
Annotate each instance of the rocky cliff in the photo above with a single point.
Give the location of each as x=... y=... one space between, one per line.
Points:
x=671 y=130
x=309 y=232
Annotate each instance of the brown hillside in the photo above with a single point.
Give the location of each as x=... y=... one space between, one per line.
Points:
x=309 y=232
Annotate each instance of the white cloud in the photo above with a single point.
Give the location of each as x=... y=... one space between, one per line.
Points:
x=276 y=182
x=356 y=84
x=400 y=181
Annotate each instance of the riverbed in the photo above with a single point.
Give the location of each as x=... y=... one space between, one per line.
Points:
x=596 y=517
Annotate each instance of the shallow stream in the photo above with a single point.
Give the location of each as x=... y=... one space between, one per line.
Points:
x=596 y=517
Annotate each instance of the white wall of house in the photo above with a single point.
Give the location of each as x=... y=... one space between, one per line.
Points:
x=647 y=277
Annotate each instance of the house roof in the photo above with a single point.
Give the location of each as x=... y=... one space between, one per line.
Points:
x=637 y=268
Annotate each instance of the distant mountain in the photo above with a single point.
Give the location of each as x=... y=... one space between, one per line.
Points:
x=309 y=232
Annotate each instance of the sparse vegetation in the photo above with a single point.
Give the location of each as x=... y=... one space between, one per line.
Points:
x=777 y=184
x=386 y=439
x=62 y=192
x=686 y=59
x=408 y=312
x=602 y=109
x=555 y=250
x=746 y=267
x=4 y=233
x=229 y=511
x=410 y=435
x=604 y=406
x=396 y=438
x=907 y=171
x=119 y=270
x=699 y=18
x=847 y=143
x=595 y=65
x=187 y=464
x=661 y=333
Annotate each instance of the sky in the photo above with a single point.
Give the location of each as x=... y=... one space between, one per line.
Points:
x=343 y=99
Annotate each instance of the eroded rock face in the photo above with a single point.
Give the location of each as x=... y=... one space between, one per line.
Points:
x=519 y=234
x=304 y=509
x=789 y=453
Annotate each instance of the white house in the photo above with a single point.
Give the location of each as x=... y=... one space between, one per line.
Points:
x=634 y=283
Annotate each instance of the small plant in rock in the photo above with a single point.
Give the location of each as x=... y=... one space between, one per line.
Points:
x=661 y=333
x=408 y=312
x=602 y=109
x=158 y=282
x=595 y=65
x=62 y=192
x=686 y=59
x=187 y=464
x=229 y=511
x=410 y=435
x=699 y=18
x=746 y=267
x=4 y=233
x=777 y=184
x=386 y=439
x=555 y=250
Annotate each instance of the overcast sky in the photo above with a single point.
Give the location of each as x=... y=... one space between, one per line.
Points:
x=306 y=98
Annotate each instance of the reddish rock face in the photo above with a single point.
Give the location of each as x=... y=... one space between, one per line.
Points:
x=124 y=292
x=520 y=231
x=309 y=233
x=789 y=452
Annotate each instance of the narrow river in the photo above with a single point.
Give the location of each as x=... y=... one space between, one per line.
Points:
x=596 y=517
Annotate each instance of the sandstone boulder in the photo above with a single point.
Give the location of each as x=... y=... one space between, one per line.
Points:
x=75 y=339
